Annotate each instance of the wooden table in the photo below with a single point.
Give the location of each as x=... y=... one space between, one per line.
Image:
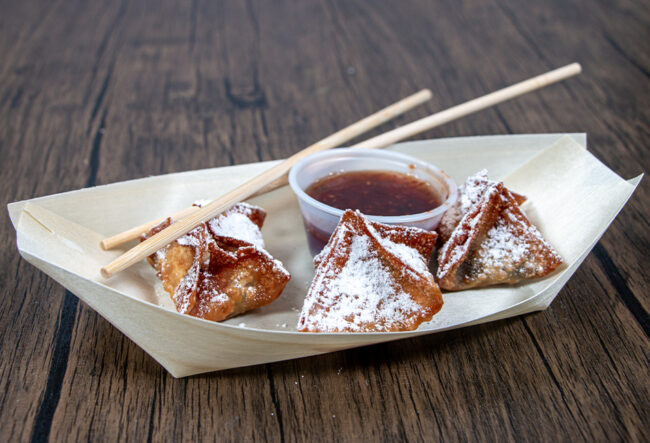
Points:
x=98 y=92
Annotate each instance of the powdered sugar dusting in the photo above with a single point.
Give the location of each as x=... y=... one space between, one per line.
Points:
x=217 y=297
x=362 y=292
x=473 y=190
x=406 y=254
x=161 y=254
x=367 y=276
x=186 y=288
x=239 y=226
x=190 y=239
x=236 y=223
x=467 y=224
x=197 y=292
x=501 y=244
x=469 y=195
x=276 y=263
x=511 y=245
x=507 y=250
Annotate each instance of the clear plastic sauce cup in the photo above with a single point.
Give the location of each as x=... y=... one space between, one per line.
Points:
x=320 y=219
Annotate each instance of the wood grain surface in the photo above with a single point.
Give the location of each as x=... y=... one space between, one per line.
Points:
x=96 y=92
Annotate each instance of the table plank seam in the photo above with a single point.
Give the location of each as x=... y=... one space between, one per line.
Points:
x=22 y=301
x=540 y=352
x=193 y=22
x=58 y=369
x=100 y=96
x=94 y=152
x=151 y=417
x=624 y=292
x=276 y=402
x=503 y=120
x=625 y=55
x=65 y=326
x=98 y=56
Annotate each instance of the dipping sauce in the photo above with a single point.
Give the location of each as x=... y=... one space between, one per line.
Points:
x=386 y=193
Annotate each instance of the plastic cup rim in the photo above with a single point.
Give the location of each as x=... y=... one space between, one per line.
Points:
x=362 y=152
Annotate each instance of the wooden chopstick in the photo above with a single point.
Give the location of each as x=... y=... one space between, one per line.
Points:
x=388 y=138
x=134 y=233
x=470 y=107
x=196 y=217
x=276 y=176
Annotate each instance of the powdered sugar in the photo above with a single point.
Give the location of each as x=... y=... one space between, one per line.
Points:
x=473 y=190
x=357 y=286
x=362 y=292
x=469 y=195
x=185 y=288
x=239 y=226
x=190 y=239
x=511 y=244
x=236 y=223
x=502 y=244
x=161 y=254
x=213 y=246
x=217 y=297
x=494 y=242
x=407 y=255
x=467 y=224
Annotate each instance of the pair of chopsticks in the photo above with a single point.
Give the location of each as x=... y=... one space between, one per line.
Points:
x=187 y=219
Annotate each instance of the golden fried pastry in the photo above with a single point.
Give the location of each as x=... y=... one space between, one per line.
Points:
x=493 y=243
x=371 y=277
x=220 y=269
x=469 y=194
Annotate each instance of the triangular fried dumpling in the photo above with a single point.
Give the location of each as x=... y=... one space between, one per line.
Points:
x=494 y=243
x=469 y=194
x=371 y=277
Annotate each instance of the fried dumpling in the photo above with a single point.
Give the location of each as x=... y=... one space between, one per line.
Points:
x=220 y=269
x=493 y=243
x=469 y=194
x=371 y=277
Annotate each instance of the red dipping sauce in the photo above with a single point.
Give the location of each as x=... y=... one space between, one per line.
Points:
x=385 y=193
